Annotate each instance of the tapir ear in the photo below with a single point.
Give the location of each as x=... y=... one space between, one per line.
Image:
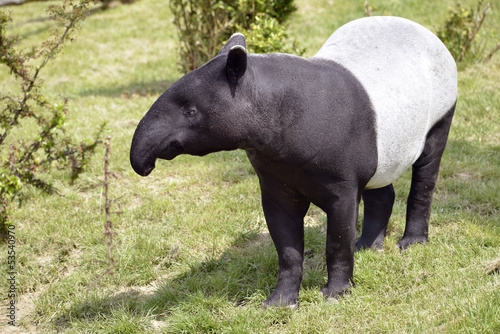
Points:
x=236 y=64
x=236 y=39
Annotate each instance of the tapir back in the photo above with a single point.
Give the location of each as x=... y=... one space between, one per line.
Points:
x=410 y=78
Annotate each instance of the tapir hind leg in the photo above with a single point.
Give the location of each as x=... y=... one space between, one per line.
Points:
x=424 y=177
x=378 y=205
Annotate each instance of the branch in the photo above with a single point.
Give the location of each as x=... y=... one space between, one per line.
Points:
x=488 y=57
x=51 y=53
x=108 y=232
x=479 y=22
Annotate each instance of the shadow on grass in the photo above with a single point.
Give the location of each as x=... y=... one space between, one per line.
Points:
x=245 y=273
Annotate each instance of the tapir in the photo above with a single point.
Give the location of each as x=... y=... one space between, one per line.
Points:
x=332 y=129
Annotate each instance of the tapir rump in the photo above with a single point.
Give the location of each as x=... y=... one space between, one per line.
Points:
x=377 y=98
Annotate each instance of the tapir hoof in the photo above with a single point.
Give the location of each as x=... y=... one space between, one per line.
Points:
x=377 y=245
x=333 y=294
x=293 y=306
x=280 y=301
x=406 y=242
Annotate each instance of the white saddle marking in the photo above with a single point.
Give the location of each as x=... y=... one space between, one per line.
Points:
x=411 y=80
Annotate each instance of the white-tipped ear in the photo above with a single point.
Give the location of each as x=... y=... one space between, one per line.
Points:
x=236 y=39
x=236 y=65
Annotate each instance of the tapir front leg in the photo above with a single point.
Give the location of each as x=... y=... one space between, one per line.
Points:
x=342 y=214
x=284 y=212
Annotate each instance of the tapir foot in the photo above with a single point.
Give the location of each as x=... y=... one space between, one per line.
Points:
x=407 y=241
x=377 y=211
x=377 y=244
x=334 y=293
x=279 y=300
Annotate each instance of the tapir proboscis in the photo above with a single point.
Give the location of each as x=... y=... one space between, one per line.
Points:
x=377 y=98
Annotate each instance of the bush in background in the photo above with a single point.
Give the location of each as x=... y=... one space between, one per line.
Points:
x=267 y=35
x=460 y=31
x=205 y=25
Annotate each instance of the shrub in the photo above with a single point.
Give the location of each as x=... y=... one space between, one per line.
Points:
x=24 y=158
x=460 y=30
x=205 y=25
x=266 y=35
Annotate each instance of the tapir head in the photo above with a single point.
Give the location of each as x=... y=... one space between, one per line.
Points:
x=198 y=114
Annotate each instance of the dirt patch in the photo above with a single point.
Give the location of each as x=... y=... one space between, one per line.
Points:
x=24 y=308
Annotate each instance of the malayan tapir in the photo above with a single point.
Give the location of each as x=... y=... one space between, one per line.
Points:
x=377 y=98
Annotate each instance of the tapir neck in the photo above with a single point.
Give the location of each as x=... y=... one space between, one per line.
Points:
x=278 y=82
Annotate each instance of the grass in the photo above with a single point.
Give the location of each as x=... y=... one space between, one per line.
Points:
x=191 y=249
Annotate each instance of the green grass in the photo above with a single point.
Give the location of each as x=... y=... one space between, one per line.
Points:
x=191 y=248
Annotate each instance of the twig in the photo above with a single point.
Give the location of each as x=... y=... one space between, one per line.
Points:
x=495 y=49
x=479 y=22
x=108 y=226
x=368 y=9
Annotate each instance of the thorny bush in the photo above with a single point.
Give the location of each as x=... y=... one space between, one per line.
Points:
x=25 y=158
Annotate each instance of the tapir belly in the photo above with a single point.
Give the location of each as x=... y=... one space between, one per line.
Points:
x=410 y=78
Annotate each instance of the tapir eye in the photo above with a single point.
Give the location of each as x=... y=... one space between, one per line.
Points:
x=190 y=112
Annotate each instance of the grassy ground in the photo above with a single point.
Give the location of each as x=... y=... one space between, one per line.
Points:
x=191 y=249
